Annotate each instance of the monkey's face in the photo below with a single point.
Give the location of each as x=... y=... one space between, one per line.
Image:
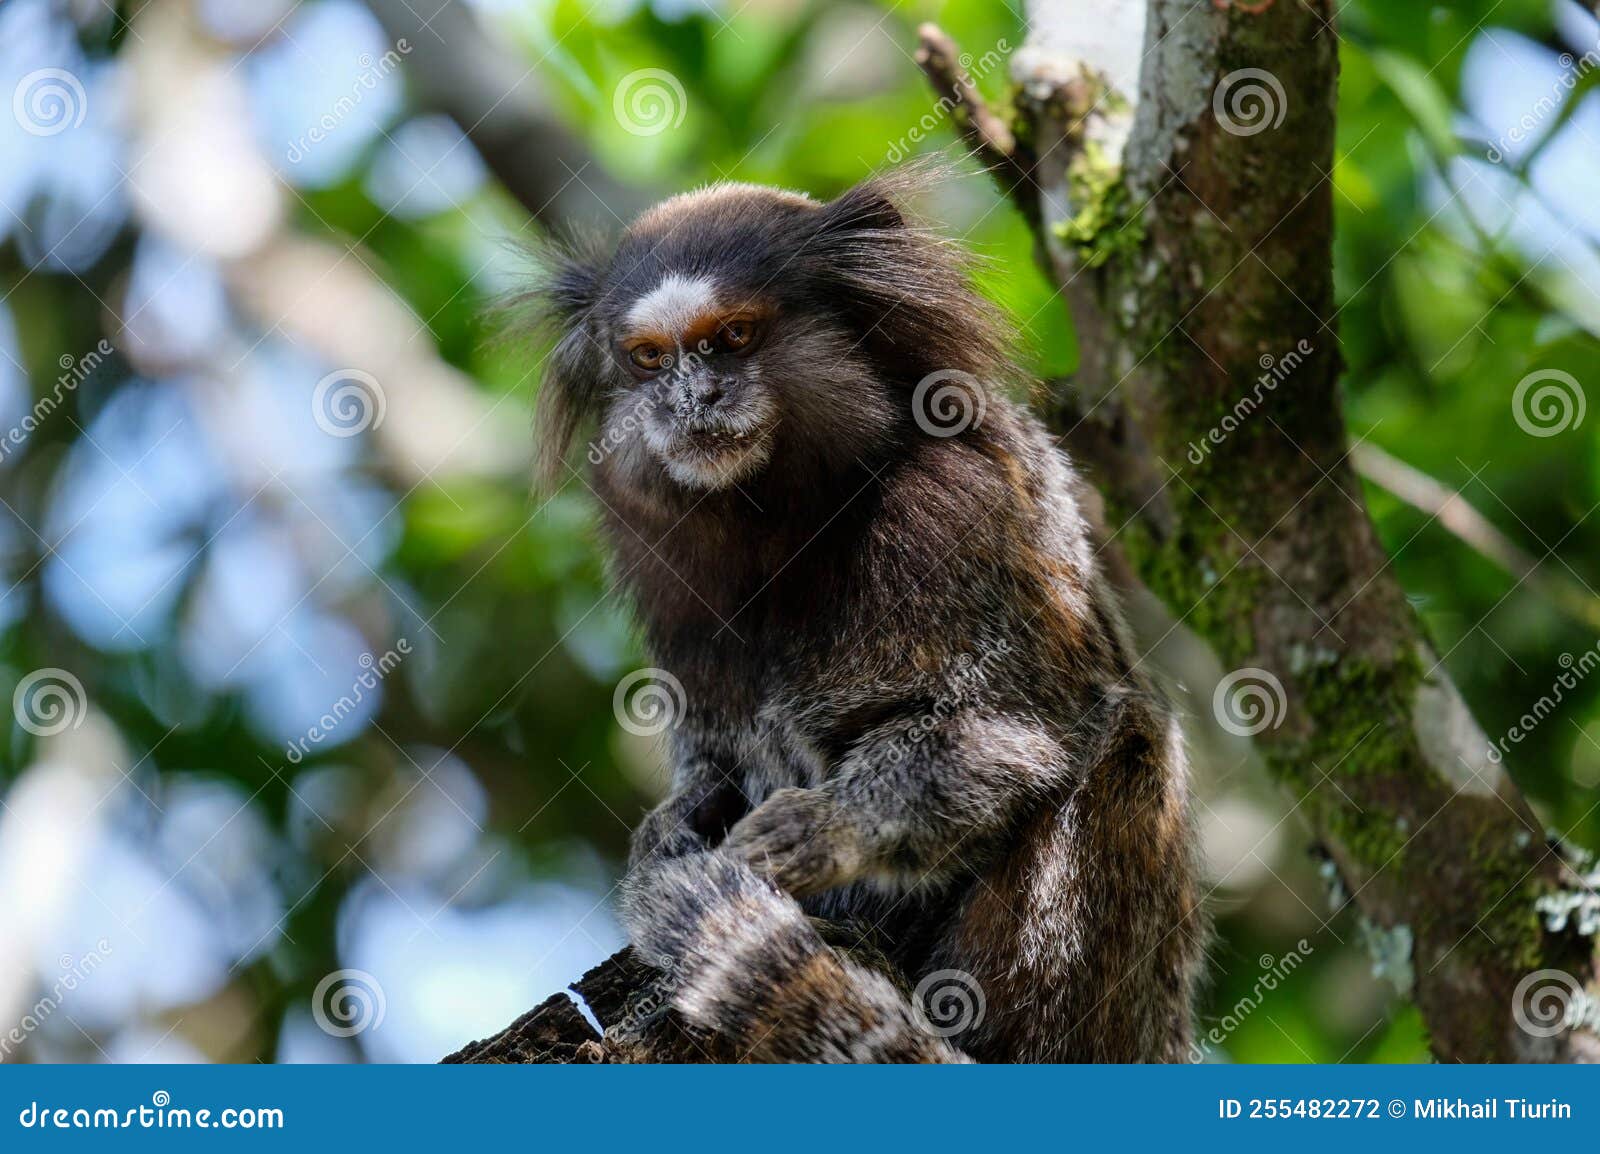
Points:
x=724 y=321
x=739 y=332
x=705 y=409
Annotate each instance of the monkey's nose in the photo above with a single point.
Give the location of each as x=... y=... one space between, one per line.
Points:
x=707 y=392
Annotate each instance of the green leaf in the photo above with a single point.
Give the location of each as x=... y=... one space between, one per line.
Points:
x=1423 y=97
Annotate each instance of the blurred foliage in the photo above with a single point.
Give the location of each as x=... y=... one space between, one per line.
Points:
x=518 y=638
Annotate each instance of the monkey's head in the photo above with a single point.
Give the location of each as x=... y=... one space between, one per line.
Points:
x=740 y=330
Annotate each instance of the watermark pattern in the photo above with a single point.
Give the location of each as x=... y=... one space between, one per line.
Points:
x=48 y=101
x=1249 y=101
x=646 y=1005
x=1547 y=402
x=1274 y=371
x=948 y=402
x=374 y=670
x=976 y=69
x=347 y=402
x=1551 y=1002
x=948 y=1002
x=1249 y=701
x=75 y=972
x=49 y=701
x=648 y=702
x=348 y=1002
x=649 y=101
x=1573 y=71
x=371 y=73
x=1276 y=970
x=1584 y=663
x=620 y=429
x=963 y=678
x=74 y=371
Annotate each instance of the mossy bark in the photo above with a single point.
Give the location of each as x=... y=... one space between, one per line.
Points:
x=1238 y=506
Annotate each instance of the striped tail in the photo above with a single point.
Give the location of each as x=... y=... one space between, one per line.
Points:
x=744 y=962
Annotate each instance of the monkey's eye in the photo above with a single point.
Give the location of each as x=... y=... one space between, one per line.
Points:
x=648 y=357
x=736 y=335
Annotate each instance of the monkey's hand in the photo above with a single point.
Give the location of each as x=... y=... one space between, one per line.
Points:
x=667 y=832
x=799 y=839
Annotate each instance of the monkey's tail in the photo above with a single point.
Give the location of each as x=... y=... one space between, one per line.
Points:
x=743 y=961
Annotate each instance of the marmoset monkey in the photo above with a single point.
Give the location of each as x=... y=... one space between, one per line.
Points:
x=909 y=703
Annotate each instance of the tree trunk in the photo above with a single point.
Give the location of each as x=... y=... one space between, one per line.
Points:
x=1197 y=261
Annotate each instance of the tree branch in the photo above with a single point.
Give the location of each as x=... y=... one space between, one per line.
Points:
x=630 y=1001
x=1456 y=514
x=986 y=134
x=493 y=97
x=624 y=995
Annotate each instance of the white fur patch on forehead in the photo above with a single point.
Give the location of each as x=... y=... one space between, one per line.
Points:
x=673 y=305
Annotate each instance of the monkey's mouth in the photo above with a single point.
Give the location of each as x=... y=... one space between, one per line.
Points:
x=718 y=438
x=710 y=456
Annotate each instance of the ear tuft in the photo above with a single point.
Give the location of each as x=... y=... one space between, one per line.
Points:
x=558 y=308
x=868 y=206
x=901 y=286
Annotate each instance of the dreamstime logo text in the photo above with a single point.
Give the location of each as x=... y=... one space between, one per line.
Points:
x=644 y=1007
x=1276 y=970
x=373 y=671
x=74 y=371
x=649 y=701
x=371 y=73
x=1573 y=72
x=649 y=101
x=1249 y=101
x=1575 y=670
x=620 y=428
x=1249 y=701
x=1274 y=371
x=963 y=678
x=75 y=971
x=160 y=1114
x=976 y=68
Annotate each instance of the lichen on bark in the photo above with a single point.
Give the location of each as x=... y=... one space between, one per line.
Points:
x=1105 y=220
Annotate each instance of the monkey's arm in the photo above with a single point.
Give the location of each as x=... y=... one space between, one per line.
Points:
x=706 y=800
x=903 y=808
